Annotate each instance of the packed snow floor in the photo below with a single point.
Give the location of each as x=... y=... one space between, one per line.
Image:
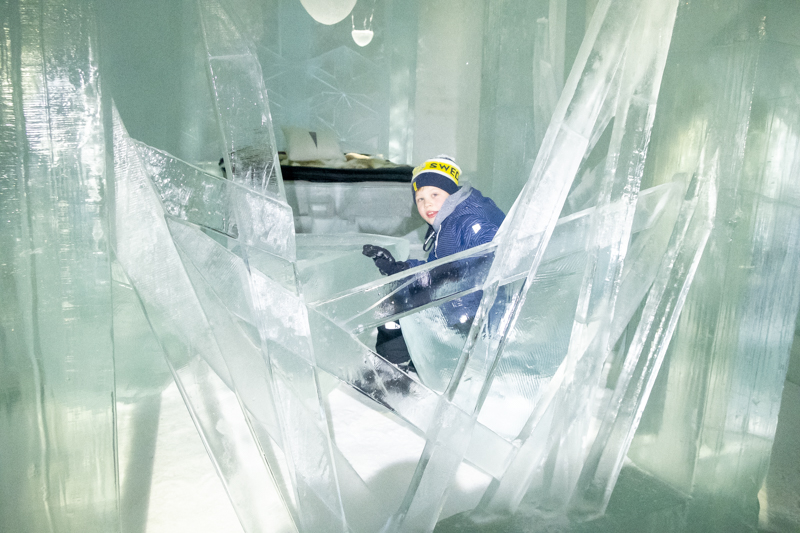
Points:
x=168 y=482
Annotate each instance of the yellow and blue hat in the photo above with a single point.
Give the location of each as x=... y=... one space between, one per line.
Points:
x=441 y=172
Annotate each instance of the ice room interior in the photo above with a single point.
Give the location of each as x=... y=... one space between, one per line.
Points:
x=191 y=324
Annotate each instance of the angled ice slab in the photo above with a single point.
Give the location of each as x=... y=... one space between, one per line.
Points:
x=251 y=156
x=225 y=206
x=646 y=352
x=563 y=424
x=144 y=247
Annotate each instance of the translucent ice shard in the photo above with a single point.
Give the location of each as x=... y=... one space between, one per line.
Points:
x=545 y=79
x=220 y=205
x=259 y=324
x=562 y=436
x=646 y=352
x=241 y=103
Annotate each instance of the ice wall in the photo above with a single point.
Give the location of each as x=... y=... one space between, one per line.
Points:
x=738 y=91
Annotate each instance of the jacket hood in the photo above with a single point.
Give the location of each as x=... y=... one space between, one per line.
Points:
x=450 y=205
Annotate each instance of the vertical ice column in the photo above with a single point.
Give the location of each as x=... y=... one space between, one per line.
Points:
x=140 y=374
x=506 y=136
x=401 y=45
x=241 y=103
x=557 y=35
x=728 y=359
x=57 y=429
x=200 y=135
x=545 y=86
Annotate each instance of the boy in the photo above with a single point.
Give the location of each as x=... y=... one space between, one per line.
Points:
x=459 y=218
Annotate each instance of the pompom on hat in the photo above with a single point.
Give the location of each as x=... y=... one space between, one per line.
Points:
x=441 y=172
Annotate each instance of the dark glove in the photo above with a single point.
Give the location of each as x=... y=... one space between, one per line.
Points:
x=384 y=261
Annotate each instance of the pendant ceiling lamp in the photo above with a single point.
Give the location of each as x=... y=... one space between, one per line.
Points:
x=328 y=11
x=362 y=31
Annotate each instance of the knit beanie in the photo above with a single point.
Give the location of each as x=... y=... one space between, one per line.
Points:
x=440 y=171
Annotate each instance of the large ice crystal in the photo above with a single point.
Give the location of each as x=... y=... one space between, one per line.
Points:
x=634 y=285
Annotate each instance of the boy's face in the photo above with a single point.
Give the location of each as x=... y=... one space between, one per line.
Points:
x=429 y=200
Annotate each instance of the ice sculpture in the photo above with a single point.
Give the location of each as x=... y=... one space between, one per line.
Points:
x=116 y=254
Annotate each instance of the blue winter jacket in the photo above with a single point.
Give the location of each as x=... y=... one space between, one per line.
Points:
x=466 y=219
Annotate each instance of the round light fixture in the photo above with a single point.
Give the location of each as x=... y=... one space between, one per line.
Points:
x=328 y=11
x=362 y=37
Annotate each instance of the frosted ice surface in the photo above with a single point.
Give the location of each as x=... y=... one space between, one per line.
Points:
x=341 y=90
x=342 y=80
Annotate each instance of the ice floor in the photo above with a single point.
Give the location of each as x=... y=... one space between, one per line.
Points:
x=187 y=495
